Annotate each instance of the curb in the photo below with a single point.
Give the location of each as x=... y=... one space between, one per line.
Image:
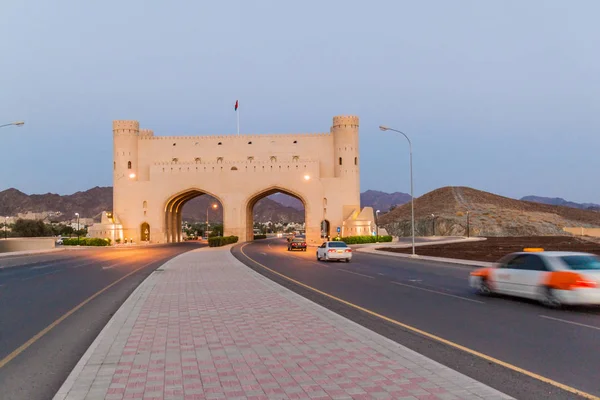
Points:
x=29 y=252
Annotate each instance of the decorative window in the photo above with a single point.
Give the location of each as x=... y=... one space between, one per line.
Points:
x=114 y=165
x=296 y=158
x=175 y=160
x=273 y=159
x=355 y=160
x=295 y=141
x=234 y=168
x=250 y=158
x=197 y=159
x=340 y=161
x=219 y=144
x=145 y=204
x=219 y=159
x=174 y=144
x=128 y=164
x=249 y=142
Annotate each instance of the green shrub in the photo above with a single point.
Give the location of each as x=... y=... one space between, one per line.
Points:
x=217 y=241
x=86 y=242
x=363 y=239
x=256 y=237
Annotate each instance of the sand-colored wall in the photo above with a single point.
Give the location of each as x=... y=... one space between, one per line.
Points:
x=25 y=244
x=580 y=231
x=154 y=176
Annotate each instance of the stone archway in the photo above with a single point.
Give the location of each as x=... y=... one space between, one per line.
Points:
x=325 y=229
x=173 y=215
x=253 y=199
x=145 y=232
x=155 y=176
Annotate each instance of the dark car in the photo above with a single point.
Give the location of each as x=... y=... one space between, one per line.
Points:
x=297 y=244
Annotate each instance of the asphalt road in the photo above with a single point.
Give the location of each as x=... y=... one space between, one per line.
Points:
x=37 y=291
x=434 y=297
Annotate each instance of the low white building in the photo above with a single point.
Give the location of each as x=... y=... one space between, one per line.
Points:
x=107 y=228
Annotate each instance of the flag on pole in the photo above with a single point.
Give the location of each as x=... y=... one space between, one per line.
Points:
x=236 y=105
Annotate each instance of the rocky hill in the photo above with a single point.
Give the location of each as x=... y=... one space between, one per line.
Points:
x=383 y=201
x=558 y=201
x=489 y=215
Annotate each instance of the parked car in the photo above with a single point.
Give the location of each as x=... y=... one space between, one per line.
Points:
x=334 y=251
x=297 y=244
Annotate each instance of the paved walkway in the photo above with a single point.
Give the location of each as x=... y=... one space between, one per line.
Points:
x=204 y=326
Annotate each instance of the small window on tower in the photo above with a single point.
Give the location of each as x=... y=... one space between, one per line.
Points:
x=128 y=164
x=355 y=160
x=340 y=161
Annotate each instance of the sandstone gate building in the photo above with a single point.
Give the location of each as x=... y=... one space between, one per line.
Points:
x=154 y=176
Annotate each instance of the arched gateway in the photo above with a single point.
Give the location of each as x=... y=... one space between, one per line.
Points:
x=154 y=176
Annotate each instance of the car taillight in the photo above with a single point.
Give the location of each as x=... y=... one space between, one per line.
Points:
x=348 y=250
x=303 y=244
x=331 y=251
x=581 y=283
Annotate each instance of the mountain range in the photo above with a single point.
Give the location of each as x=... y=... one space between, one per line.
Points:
x=558 y=201
x=277 y=207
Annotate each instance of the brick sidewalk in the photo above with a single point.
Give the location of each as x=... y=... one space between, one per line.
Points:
x=204 y=326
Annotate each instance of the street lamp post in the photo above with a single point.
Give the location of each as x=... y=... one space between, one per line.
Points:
x=468 y=226
x=433 y=223
x=5 y=225
x=77 y=215
x=214 y=207
x=377 y=224
x=17 y=123
x=412 y=197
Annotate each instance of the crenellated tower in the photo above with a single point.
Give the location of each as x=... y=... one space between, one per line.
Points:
x=125 y=148
x=345 y=150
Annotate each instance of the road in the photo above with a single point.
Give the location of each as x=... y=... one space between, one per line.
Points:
x=434 y=297
x=73 y=293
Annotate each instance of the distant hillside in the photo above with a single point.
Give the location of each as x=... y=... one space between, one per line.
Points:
x=558 y=201
x=383 y=201
x=287 y=201
x=88 y=204
x=490 y=215
x=92 y=202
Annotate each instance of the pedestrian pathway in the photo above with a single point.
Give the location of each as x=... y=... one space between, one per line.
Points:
x=205 y=326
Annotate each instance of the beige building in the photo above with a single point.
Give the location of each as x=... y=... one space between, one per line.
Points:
x=154 y=176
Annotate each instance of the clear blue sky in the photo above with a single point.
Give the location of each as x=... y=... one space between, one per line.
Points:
x=502 y=96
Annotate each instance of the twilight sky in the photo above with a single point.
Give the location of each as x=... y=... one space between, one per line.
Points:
x=502 y=96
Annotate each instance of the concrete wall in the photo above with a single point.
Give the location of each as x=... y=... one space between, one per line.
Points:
x=24 y=244
x=580 y=231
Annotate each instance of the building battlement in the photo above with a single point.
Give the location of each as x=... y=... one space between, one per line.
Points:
x=240 y=137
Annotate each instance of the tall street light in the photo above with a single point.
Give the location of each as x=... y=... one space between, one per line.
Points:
x=77 y=215
x=5 y=225
x=214 y=207
x=16 y=123
x=412 y=197
x=377 y=224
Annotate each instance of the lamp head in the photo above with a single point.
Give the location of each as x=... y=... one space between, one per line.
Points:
x=306 y=177
x=383 y=128
x=131 y=175
x=19 y=123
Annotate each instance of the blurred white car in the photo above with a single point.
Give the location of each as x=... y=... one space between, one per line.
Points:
x=334 y=251
x=552 y=277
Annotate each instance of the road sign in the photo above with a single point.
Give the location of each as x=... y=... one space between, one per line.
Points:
x=339 y=229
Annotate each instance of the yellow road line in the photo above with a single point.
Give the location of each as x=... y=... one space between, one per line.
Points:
x=430 y=335
x=47 y=329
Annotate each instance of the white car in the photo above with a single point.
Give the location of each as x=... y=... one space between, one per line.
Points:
x=334 y=251
x=551 y=277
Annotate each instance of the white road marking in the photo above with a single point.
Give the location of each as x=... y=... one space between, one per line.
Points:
x=42 y=266
x=355 y=273
x=379 y=273
x=40 y=275
x=264 y=254
x=435 y=291
x=111 y=266
x=571 y=322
